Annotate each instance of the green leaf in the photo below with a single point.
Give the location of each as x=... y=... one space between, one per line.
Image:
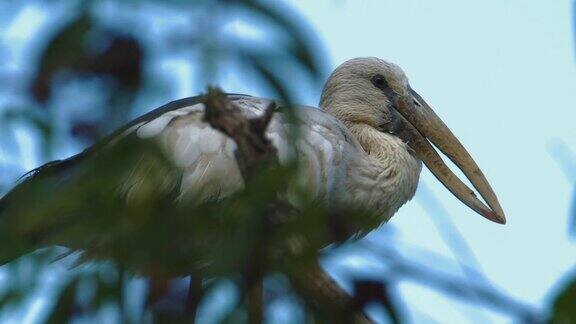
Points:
x=564 y=310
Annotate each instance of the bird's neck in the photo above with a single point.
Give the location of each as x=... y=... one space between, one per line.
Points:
x=389 y=174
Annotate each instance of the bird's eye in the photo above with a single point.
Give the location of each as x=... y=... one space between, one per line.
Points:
x=379 y=81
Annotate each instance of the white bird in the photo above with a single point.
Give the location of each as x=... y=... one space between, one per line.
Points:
x=363 y=147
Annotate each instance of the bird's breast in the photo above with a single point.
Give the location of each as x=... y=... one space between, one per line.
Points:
x=388 y=177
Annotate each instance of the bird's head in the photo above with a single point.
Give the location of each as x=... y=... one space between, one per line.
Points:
x=373 y=92
x=357 y=83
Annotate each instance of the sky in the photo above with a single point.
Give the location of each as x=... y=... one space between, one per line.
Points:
x=500 y=73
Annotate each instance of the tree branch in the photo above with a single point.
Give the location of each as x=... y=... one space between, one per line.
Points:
x=320 y=291
x=254 y=153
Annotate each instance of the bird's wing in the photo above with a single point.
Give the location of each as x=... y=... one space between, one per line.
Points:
x=204 y=157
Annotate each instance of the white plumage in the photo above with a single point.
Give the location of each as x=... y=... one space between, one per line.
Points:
x=334 y=168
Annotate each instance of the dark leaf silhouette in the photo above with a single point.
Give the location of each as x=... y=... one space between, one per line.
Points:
x=369 y=291
x=563 y=308
x=65 y=51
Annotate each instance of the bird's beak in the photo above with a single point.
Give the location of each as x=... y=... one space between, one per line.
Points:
x=421 y=126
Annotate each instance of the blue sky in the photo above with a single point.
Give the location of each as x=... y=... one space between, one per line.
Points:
x=501 y=74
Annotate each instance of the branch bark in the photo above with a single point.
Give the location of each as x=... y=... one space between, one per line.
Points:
x=254 y=150
x=320 y=291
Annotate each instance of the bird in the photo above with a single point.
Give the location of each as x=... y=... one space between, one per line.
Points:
x=363 y=146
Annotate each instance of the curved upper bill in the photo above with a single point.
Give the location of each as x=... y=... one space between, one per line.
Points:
x=423 y=125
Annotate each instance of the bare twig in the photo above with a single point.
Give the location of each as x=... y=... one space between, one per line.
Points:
x=194 y=297
x=254 y=151
x=256 y=302
x=325 y=295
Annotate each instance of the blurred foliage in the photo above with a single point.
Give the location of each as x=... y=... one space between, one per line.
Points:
x=89 y=74
x=564 y=299
x=563 y=310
